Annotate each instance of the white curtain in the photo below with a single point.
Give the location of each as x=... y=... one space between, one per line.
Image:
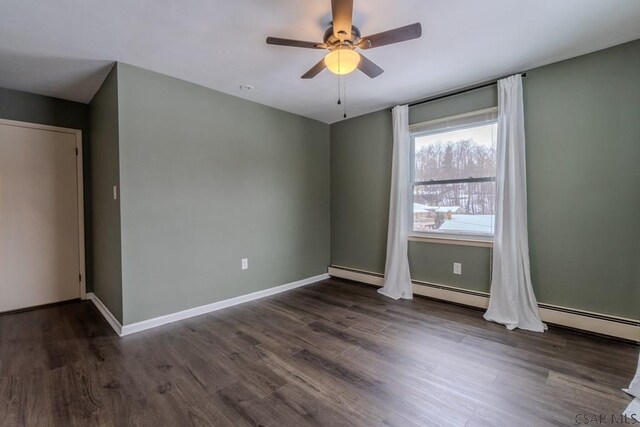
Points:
x=512 y=302
x=634 y=390
x=397 y=279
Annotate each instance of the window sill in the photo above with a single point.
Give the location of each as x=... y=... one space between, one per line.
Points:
x=477 y=241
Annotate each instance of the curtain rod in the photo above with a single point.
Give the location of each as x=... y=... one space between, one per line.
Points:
x=460 y=91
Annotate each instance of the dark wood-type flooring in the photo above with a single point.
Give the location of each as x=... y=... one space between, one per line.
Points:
x=332 y=353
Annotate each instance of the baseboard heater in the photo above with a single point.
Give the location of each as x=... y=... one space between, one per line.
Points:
x=618 y=327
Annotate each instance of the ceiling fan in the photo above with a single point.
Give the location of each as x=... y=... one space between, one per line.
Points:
x=342 y=39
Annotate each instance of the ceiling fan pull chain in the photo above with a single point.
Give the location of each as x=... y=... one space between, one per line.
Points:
x=339 y=101
x=344 y=95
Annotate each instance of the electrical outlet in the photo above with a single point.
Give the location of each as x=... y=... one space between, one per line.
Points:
x=457 y=268
x=245 y=263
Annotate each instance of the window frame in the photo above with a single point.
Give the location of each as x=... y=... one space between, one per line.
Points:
x=421 y=129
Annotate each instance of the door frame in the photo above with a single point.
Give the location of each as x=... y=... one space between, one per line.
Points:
x=80 y=190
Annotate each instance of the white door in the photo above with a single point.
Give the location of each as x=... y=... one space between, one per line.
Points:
x=39 y=229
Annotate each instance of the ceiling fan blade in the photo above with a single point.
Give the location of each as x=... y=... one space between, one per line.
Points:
x=342 y=14
x=314 y=70
x=369 y=67
x=408 y=32
x=294 y=43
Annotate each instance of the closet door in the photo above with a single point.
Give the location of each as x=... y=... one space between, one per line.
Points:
x=39 y=228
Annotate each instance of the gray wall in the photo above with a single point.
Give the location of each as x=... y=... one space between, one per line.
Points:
x=583 y=147
x=208 y=179
x=32 y=108
x=106 y=211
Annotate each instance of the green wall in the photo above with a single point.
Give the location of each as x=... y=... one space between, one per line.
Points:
x=208 y=179
x=583 y=135
x=106 y=211
x=32 y=108
x=360 y=184
x=583 y=147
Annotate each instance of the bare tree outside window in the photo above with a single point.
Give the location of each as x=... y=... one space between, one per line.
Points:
x=454 y=180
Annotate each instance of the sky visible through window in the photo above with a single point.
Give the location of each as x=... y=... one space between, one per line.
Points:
x=483 y=135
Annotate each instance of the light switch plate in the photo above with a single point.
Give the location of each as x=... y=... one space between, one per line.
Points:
x=245 y=263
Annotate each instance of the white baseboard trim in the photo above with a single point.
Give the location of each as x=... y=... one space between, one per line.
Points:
x=132 y=328
x=109 y=317
x=619 y=327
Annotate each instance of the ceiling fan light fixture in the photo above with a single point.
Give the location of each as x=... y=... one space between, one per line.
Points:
x=342 y=61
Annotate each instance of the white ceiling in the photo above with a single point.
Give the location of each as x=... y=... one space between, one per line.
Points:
x=64 y=48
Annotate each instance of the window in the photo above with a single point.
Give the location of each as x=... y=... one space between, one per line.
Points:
x=453 y=175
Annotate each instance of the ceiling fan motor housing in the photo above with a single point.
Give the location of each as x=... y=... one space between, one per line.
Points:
x=333 y=42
